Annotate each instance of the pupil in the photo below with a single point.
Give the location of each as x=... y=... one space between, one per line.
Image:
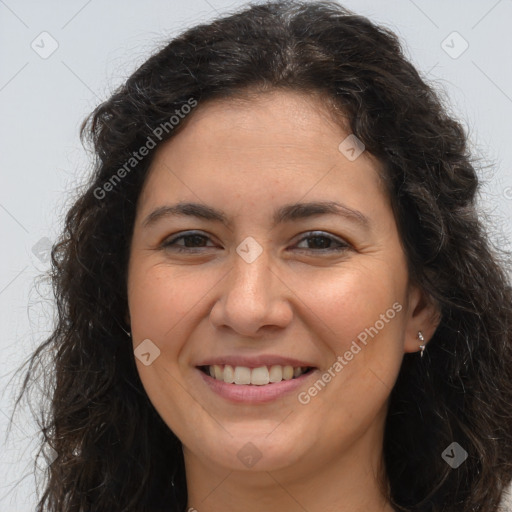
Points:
x=325 y=241
x=195 y=238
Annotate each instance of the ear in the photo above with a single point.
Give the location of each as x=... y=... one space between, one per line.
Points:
x=423 y=314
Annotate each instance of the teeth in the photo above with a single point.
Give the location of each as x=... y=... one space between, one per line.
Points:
x=228 y=375
x=287 y=372
x=276 y=373
x=218 y=374
x=242 y=375
x=261 y=376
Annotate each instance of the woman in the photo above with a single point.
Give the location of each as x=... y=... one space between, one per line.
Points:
x=276 y=292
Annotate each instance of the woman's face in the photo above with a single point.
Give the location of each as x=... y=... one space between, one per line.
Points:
x=277 y=284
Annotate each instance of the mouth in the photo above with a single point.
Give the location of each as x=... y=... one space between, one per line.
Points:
x=260 y=376
x=258 y=386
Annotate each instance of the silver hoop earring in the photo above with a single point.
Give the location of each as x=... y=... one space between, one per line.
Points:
x=422 y=339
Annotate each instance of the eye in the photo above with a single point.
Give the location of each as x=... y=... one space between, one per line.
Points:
x=322 y=242
x=194 y=241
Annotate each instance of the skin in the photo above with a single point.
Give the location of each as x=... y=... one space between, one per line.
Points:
x=296 y=299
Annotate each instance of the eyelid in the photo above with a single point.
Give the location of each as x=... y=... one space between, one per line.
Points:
x=324 y=234
x=177 y=236
x=169 y=241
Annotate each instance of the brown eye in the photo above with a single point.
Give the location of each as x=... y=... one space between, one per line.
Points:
x=316 y=241
x=191 y=241
x=323 y=242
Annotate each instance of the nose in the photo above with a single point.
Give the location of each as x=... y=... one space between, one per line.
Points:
x=252 y=299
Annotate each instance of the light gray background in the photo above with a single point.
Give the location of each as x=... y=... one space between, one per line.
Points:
x=44 y=100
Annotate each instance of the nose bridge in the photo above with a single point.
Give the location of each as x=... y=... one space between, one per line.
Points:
x=249 y=297
x=251 y=276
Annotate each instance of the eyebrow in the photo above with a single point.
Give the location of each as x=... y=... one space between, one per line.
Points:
x=286 y=213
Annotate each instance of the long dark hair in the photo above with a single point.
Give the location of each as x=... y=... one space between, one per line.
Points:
x=113 y=451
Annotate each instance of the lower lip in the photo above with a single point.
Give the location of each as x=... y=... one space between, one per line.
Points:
x=247 y=393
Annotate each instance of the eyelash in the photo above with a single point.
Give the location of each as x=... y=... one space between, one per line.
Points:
x=170 y=244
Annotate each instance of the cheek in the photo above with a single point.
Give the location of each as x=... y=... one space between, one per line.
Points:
x=356 y=315
x=346 y=302
x=160 y=297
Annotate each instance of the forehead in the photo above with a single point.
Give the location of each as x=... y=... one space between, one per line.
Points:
x=278 y=117
x=263 y=146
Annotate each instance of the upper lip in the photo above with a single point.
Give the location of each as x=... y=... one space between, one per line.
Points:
x=255 y=361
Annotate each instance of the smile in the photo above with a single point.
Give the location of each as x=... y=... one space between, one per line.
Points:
x=257 y=385
x=261 y=376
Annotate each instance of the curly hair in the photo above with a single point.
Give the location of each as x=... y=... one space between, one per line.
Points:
x=461 y=391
